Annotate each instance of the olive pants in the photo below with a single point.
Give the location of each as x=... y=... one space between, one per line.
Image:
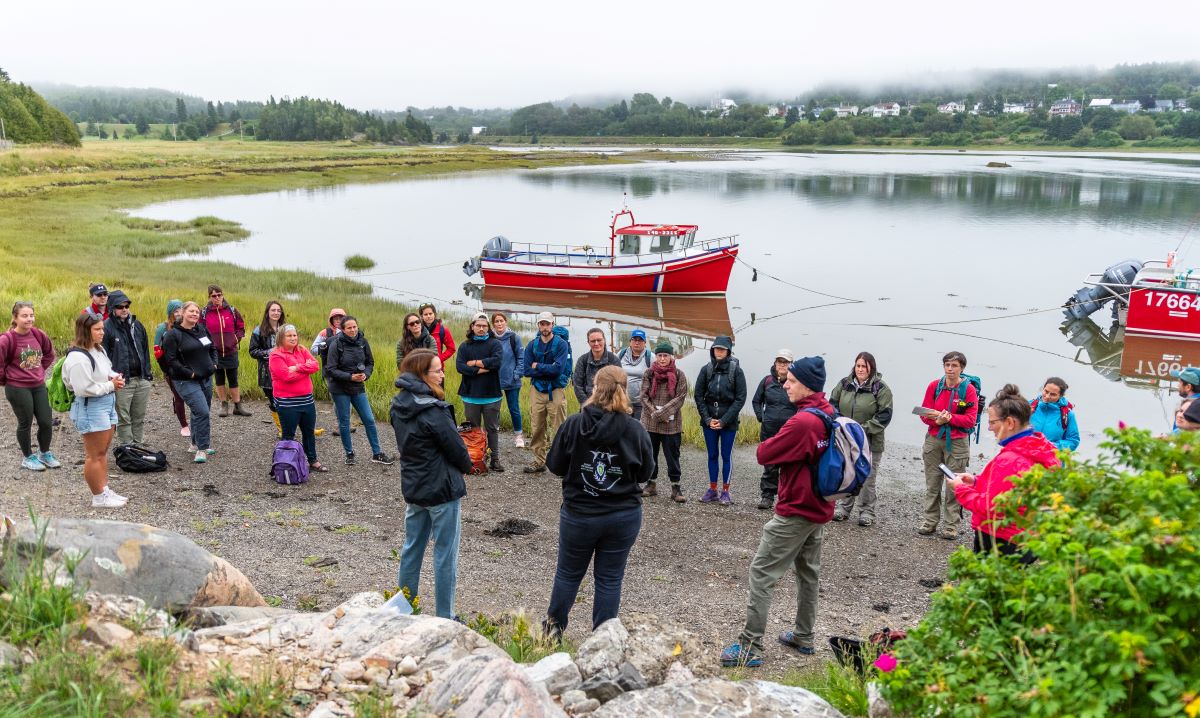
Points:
x=787 y=541
x=941 y=505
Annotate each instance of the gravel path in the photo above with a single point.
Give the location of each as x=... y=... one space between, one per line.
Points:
x=690 y=562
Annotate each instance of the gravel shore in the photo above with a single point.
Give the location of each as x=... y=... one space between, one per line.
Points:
x=690 y=562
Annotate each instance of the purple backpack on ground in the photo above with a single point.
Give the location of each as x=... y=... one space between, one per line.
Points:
x=289 y=465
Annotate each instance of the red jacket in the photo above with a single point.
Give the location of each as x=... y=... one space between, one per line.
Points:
x=1015 y=458
x=445 y=341
x=286 y=384
x=961 y=418
x=795 y=448
x=225 y=326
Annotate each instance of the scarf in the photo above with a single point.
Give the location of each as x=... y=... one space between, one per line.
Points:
x=660 y=373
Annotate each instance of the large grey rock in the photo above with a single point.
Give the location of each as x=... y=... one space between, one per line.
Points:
x=10 y=655
x=129 y=610
x=719 y=698
x=651 y=645
x=557 y=672
x=165 y=569
x=877 y=705
x=210 y=616
x=603 y=652
x=482 y=686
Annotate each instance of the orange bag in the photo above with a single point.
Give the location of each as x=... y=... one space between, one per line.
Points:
x=476 y=440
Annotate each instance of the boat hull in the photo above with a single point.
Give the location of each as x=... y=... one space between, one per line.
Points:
x=704 y=274
x=1164 y=311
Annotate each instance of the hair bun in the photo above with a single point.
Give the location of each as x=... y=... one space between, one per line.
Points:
x=1008 y=390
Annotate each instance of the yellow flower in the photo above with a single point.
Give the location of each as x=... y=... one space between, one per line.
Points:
x=1193 y=705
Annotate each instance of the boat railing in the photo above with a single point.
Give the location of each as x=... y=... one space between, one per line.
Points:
x=593 y=256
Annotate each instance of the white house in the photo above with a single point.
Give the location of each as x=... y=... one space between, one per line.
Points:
x=1163 y=106
x=951 y=107
x=846 y=110
x=1017 y=108
x=1066 y=106
x=1129 y=107
x=479 y=130
x=884 y=109
x=1100 y=102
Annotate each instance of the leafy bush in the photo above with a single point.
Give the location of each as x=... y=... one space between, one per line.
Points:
x=1105 y=623
x=1106 y=138
x=801 y=133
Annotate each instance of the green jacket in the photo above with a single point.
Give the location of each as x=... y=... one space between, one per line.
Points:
x=869 y=405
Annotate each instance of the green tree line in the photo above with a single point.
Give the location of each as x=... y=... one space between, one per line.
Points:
x=307 y=118
x=29 y=118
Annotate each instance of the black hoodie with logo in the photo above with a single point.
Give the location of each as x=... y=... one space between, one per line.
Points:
x=601 y=456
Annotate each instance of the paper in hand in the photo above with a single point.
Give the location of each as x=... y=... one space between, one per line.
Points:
x=925 y=411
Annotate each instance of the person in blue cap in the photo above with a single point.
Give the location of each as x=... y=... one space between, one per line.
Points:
x=635 y=362
x=1189 y=385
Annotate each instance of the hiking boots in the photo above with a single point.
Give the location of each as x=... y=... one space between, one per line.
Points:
x=382 y=458
x=238 y=410
x=224 y=409
x=350 y=460
x=766 y=503
x=950 y=534
x=866 y=520
x=927 y=529
x=650 y=490
x=839 y=515
x=534 y=468
x=496 y=465
x=677 y=494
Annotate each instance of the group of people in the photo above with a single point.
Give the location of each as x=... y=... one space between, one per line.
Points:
x=607 y=455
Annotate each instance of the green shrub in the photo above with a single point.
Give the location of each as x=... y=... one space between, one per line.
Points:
x=1106 y=138
x=1106 y=623
x=359 y=262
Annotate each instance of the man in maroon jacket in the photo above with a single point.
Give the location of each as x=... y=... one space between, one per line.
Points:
x=793 y=535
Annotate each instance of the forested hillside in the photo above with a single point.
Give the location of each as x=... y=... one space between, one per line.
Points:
x=28 y=118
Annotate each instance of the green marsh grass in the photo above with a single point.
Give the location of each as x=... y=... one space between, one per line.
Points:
x=359 y=262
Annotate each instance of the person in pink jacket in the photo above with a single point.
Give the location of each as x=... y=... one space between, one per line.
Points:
x=1021 y=448
x=292 y=367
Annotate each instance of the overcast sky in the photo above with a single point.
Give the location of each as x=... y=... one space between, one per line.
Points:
x=388 y=55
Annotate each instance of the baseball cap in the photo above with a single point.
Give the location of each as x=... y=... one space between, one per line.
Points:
x=637 y=334
x=97 y=289
x=785 y=354
x=1188 y=374
x=545 y=317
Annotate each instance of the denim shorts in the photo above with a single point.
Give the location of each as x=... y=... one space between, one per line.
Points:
x=100 y=414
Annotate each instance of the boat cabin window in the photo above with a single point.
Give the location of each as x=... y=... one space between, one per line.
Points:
x=630 y=244
x=686 y=240
x=662 y=243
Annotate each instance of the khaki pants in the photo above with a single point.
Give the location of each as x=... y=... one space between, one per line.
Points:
x=546 y=414
x=131 y=410
x=787 y=541
x=866 y=497
x=940 y=501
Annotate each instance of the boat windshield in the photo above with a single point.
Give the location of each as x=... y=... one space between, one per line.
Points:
x=662 y=243
x=686 y=240
x=630 y=244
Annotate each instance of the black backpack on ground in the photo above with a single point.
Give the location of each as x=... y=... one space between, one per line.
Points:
x=139 y=459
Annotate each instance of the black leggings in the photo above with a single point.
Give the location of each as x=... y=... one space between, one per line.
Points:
x=26 y=404
x=985 y=543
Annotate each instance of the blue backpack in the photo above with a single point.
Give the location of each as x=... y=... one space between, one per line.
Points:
x=844 y=466
x=289 y=465
x=961 y=392
x=564 y=378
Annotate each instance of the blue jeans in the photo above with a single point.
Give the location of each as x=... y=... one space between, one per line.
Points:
x=304 y=417
x=442 y=522
x=719 y=440
x=512 y=397
x=197 y=394
x=608 y=538
x=341 y=406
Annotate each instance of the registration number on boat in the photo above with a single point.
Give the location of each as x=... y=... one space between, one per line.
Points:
x=1173 y=300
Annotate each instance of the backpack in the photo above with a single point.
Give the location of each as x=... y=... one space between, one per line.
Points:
x=1064 y=410
x=139 y=459
x=61 y=396
x=844 y=466
x=625 y=352
x=476 y=440
x=961 y=390
x=564 y=378
x=289 y=465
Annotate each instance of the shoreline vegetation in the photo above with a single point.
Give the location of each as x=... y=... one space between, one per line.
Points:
x=65 y=223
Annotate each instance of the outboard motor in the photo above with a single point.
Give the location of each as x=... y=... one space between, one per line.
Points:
x=495 y=248
x=1115 y=283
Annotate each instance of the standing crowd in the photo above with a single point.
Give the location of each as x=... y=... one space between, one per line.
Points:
x=607 y=455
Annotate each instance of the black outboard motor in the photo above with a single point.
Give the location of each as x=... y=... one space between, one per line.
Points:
x=1115 y=283
x=495 y=248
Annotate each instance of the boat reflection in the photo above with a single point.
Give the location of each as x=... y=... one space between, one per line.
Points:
x=687 y=322
x=1136 y=360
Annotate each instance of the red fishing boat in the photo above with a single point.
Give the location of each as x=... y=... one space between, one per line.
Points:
x=639 y=259
x=1153 y=298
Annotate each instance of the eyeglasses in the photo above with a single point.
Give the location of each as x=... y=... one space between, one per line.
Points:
x=436 y=371
x=215 y=295
x=416 y=323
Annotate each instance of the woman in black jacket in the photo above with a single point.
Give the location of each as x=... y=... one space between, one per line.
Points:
x=433 y=459
x=602 y=454
x=191 y=359
x=720 y=396
x=262 y=341
x=478 y=361
x=348 y=365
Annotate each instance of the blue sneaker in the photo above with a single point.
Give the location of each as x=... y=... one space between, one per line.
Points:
x=48 y=459
x=739 y=655
x=710 y=495
x=788 y=639
x=32 y=463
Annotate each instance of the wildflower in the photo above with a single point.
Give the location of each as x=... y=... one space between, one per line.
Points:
x=886 y=662
x=1121 y=425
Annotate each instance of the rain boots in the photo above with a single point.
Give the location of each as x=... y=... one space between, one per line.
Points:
x=278 y=428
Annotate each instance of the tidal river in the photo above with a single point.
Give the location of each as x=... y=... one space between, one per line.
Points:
x=906 y=256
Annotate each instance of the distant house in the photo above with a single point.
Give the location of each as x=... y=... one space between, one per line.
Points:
x=951 y=107
x=479 y=130
x=1018 y=108
x=723 y=105
x=1065 y=106
x=1100 y=102
x=883 y=109
x=1128 y=107
x=846 y=110
x=1163 y=106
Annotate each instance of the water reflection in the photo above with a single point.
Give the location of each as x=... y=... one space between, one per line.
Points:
x=1137 y=361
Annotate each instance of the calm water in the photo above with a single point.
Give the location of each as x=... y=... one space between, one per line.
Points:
x=911 y=239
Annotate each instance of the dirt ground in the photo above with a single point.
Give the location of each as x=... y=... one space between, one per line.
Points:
x=690 y=562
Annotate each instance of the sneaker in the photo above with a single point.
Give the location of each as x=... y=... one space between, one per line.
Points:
x=766 y=503
x=210 y=452
x=185 y=431
x=839 y=515
x=201 y=458
x=788 y=639
x=866 y=521
x=927 y=529
x=739 y=655
x=709 y=496
x=650 y=490
x=48 y=459
x=192 y=448
x=519 y=441
x=32 y=463
x=534 y=468
x=350 y=459
x=725 y=500
x=382 y=458
x=108 y=499
x=677 y=494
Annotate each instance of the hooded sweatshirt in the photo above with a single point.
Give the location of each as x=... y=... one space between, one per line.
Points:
x=479 y=387
x=512 y=361
x=721 y=387
x=344 y=358
x=163 y=327
x=433 y=457
x=126 y=342
x=225 y=326
x=1048 y=419
x=634 y=370
x=796 y=447
x=189 y=353
x=601 y=457
x=1018 y=454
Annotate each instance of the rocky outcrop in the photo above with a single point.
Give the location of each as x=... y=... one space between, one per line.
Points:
x=718 y=697
x=165 y=569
